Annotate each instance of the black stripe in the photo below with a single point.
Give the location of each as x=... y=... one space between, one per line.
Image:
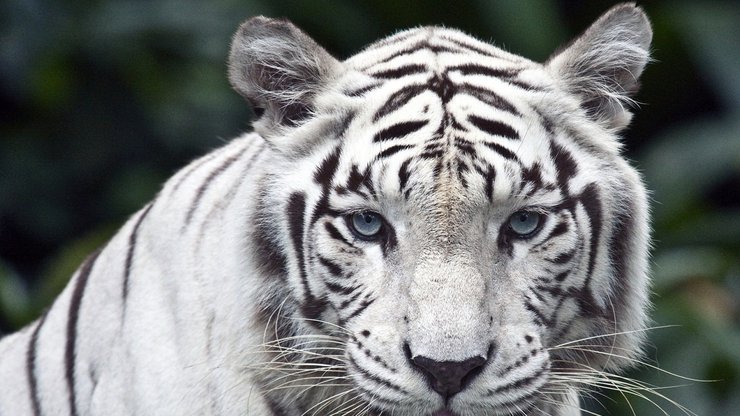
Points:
x=443 y=87
x=563 y=258
x=75 y=302
x=375 y=378
x=490 y=177
x=621 y=251
x=565 y=165
x=493 y=127
x=591 y=202
x=503 y=151
x=130 y=253
x=325 y=173
x=398 y=99
x=470 y=47
x=401 y=71
x=339 y=289
x=392 y=150
x=195 y=167
x=362 y=90
x=409 y=50
x=363 y=305
x=489 y=97
x=209 y=179
x=477 y=69
x=33 y=385
x=330 y=266
x=399 y=130
x=404 y=174
x=295 y=213
x=335 y=234
x=506 y=75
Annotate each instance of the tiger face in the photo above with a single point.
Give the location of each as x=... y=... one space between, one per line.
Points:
x=457 y=219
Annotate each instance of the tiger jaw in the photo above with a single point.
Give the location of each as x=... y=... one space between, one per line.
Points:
x=507 y=382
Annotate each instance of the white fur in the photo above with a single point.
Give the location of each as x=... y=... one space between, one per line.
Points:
x=201 y=330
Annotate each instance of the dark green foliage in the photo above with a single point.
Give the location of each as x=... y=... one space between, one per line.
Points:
x=101 y=101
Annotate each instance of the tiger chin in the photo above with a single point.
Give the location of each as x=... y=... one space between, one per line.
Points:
x=432 y=227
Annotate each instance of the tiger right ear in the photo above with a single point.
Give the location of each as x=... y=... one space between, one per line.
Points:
x=278 y=69
x=604 y=64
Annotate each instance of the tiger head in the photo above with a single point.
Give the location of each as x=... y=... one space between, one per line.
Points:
x=453 y=225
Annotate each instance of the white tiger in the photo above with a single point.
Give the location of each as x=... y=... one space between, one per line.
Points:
x=431 y=227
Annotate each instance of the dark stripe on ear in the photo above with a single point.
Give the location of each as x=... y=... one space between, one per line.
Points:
x=70 y=354
x=209 y=179
x=130 y=253
x=493 y=127
x=399 y=130
x=33 y=385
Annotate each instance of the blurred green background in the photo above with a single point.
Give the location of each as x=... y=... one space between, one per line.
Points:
x=102 y=100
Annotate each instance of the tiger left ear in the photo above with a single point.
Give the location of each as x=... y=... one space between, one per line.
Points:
x=278 y=69
x=603 y=65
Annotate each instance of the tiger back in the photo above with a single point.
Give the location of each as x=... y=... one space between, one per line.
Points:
x=432 y=227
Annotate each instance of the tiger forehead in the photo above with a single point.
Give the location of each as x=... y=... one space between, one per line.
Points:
x=428 y=43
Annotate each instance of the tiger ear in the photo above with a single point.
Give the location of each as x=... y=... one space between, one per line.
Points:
x=278 y=69
x=603 y=65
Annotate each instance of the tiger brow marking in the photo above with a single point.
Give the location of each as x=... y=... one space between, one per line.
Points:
x=401 y=71
x=74 y=314
x=33 y=391
x=503 y=152
x=392 y=150
x=493 y=127
x=398 y=99
x=399 y=130
x=489 y=97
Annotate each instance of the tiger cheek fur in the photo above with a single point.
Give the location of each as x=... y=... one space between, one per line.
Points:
x=432 y=227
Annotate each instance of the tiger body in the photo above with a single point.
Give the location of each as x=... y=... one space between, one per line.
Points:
x=246 y=288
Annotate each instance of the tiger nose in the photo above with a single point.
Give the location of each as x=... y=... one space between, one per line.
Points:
x=449 y=377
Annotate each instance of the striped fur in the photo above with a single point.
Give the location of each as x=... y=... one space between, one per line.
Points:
x=244 y=289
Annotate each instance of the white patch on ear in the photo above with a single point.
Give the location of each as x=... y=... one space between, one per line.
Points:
x=603 y=65
x=279 y=69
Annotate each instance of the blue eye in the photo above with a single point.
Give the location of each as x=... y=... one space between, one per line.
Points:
x=524 y=223
x=366 y=224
